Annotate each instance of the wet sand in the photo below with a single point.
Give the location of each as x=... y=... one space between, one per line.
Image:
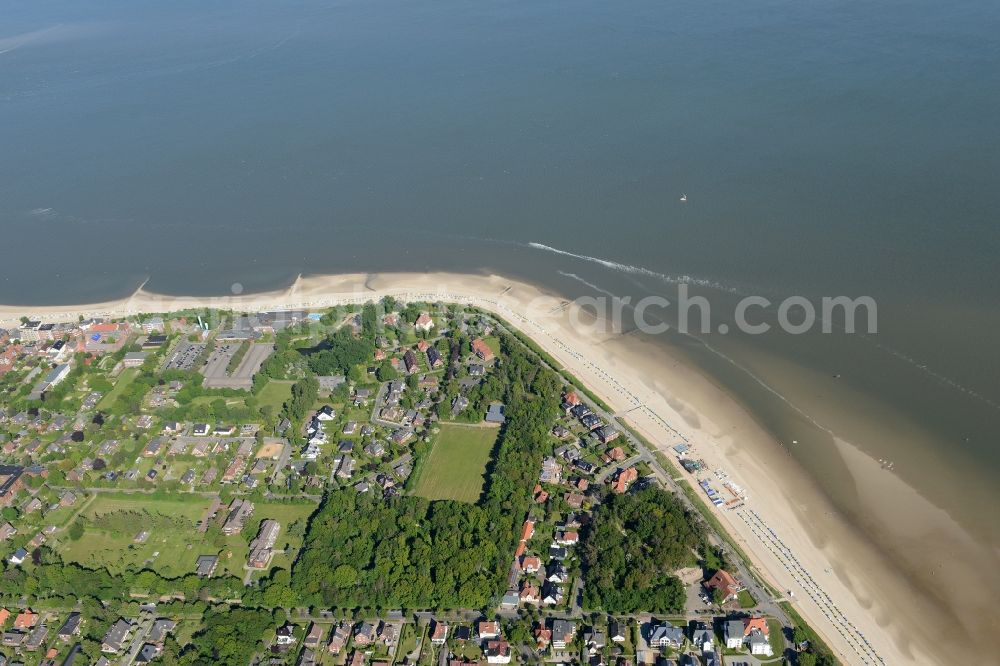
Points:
x=865 y=605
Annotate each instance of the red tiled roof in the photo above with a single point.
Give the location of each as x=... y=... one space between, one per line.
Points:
x=751 y=623
x=25 y=620
x=723 y=580
x=482 y=349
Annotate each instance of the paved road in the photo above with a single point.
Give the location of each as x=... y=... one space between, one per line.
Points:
x=611 y=469
x=765 y=602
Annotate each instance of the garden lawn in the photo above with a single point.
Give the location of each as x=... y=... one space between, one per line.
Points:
x=455 y=468
x=275 y=393
x=746 y=599
x=126 y=377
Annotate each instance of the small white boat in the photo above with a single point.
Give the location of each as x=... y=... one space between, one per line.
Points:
x=684 y=198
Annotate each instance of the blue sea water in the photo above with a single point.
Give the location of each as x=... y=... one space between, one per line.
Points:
x=835 y=148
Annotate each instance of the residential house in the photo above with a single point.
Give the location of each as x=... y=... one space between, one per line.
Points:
x=410 y=361
x=725 y=584
x=557 y=573
x=624 y=479
x=488 y=630
x=756 y=636
x=158 y=632
x=595 y=640
x=434 y=359
x=285 y=635
x=497 y=652
x=338 y=639
x=147 y=653
x=568 y=538
x=495 y=413
x=114 y=640
x=25 y=620
x=529 y=594
x=552 y=594
x=70 y=627
x=440 y=633
x=733 y=633
x=424 y=323
x=563 y=632
x=366 y=634
x=666 y=635
x=607 y=434
x=36 y=637
x=313 y=636
x=702 y=637
x=239 y=513
x=551 y=471
x=459 y=404
x=531 y=564
x=482 y=350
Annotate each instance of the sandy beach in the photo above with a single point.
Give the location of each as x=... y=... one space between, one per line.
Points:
x=866 y=609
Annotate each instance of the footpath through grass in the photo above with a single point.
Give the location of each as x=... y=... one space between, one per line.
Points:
x=126 y=377
x=455 y=468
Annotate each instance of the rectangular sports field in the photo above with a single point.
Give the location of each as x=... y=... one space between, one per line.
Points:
x=456 y=466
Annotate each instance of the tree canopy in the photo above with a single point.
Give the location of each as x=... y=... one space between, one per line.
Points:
x=631 y=549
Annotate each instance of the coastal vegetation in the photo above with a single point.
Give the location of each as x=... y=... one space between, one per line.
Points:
x=634 y=544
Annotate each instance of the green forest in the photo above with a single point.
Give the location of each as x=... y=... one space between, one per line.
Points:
x=631 y=549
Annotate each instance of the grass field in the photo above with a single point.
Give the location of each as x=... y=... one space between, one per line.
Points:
x=174 y=542
x=126 y=377
x=456 y=466
x=171 y=523
x=275 y=393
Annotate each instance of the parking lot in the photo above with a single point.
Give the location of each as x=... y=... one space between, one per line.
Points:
x=184 y=356
x=218 y=361
x=242 y=377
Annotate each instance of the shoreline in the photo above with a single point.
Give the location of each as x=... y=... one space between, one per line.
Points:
x=794 y=538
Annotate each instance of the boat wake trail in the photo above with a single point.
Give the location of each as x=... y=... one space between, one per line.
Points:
x=639 y=270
